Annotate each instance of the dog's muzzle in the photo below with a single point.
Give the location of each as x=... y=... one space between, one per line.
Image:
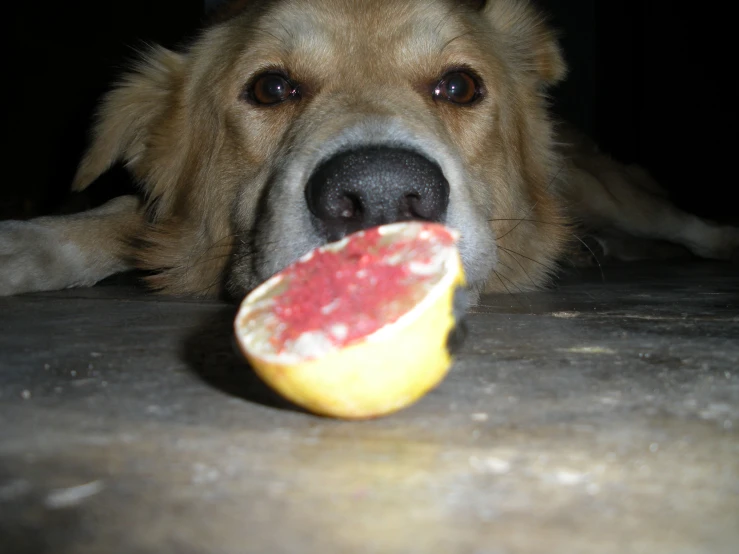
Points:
x=358 y=189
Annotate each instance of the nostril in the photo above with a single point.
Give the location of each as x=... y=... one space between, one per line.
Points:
x=349 y=206
x=412 y=208
x=421 y=206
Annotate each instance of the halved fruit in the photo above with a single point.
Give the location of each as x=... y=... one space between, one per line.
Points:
x=360 y=327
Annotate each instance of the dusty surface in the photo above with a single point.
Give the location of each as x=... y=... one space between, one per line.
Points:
x=597 y=417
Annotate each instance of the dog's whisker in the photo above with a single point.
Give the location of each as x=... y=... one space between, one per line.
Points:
x=534 y=205
x=519 y=265
x=513 y=284
x=509 y=268
x=225 y=237
x=201 y=260
x=528 y=220
x=216 y=245
x=600 y=267
x=215 y=285
x=500 y=278
x=549 y=268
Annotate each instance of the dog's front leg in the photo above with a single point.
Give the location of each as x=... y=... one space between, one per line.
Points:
x=57 y=252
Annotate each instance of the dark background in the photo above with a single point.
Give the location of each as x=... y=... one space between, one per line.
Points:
x=654 y=82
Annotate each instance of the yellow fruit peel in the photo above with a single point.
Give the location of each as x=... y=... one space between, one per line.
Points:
x=377 y=375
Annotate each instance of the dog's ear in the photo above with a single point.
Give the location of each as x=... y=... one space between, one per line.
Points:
x=530 y=37
x=128 y=114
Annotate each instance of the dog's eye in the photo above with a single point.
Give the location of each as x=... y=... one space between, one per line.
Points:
x=458 y=87
x=269 y=89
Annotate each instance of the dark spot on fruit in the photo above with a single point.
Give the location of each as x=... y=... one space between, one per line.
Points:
x=458 y=333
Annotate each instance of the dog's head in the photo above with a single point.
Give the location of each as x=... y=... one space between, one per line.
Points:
x=293 y=122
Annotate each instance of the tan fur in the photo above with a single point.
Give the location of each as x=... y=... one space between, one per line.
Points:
x=223 y=180
x=168 y=123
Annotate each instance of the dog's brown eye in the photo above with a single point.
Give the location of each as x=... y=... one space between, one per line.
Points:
x=458 y=87
x=271 y=88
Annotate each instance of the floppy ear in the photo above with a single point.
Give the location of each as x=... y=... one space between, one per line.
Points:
x=532 y=40
x=128 y=113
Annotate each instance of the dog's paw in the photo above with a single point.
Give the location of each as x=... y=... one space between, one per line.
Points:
x=34 y=258
x=717 y=243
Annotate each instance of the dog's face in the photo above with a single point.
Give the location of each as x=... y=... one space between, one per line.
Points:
x=295 y=122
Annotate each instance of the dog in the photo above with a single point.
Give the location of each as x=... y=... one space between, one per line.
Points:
x=291 y=123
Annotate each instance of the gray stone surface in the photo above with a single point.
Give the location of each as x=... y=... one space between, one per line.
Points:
x=600 y=416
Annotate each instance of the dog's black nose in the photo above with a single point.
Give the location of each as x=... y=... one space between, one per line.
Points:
x=361 y=188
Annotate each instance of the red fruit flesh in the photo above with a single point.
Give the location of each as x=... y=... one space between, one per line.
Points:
x=349 y=292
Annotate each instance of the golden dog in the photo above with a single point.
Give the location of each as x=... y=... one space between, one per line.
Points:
x=290 y=123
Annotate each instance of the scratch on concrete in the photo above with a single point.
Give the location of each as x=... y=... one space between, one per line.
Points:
x=66 y=498
x=588 y=350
